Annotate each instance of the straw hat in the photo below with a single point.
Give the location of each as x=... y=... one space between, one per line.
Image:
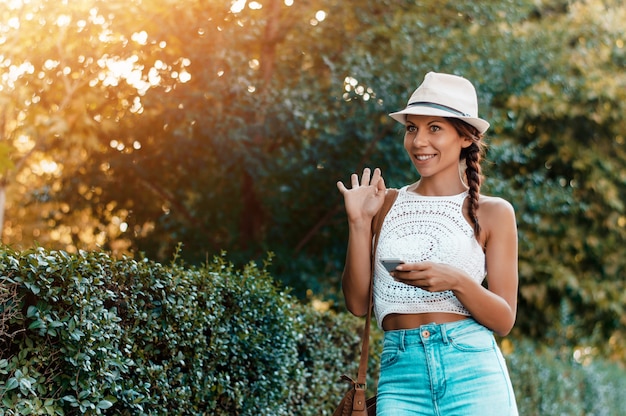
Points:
x=444 y=95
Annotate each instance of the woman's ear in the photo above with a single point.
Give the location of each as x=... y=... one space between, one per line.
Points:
x=466 y=142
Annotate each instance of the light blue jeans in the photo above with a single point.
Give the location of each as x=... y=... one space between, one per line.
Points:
x=452 y=369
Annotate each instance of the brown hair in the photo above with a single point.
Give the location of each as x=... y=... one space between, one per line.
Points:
x=473 y=172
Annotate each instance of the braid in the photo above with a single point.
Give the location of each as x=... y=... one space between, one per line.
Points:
x=473 y=172
x=474 y=178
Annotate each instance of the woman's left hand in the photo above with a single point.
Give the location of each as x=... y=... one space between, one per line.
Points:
x=428 y=275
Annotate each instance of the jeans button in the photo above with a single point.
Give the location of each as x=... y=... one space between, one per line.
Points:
x=426 y=333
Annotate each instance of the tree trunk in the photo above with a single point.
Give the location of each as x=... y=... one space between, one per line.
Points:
x=253 y=217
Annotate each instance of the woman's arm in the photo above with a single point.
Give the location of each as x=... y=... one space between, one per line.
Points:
x=496 y=306
x=362 y=202
x=355 y=282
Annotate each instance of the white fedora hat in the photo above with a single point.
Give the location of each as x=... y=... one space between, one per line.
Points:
x=444 y=95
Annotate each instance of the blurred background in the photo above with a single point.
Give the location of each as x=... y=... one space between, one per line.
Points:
x=133 y=126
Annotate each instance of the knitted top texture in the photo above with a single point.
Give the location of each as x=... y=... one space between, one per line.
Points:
x=425 y=228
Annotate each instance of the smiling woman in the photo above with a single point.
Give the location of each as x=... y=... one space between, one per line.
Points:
x=433 y=307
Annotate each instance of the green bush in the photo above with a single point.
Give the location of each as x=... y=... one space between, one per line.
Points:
x=329 y=346
x=88 y=334
x=85 y=333
x=63 y=345
x=551 y=382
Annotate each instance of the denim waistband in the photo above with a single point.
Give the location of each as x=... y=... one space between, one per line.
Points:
x=432 y=332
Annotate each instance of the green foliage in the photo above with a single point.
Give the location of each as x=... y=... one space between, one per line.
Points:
x=330 y=347
x=233 y=127
x=560 y=160
x=550 y=382
x=87 y=334
x=66 y=331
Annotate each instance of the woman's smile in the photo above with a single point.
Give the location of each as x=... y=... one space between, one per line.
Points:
x=423 y=158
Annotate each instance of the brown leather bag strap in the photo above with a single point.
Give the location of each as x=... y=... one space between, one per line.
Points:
x=377 y=223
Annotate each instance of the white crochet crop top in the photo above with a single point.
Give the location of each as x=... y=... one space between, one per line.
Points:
x=424 y=228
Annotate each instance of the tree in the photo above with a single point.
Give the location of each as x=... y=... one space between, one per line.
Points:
x=230 y=122
x=54 y=104
x=570 y=180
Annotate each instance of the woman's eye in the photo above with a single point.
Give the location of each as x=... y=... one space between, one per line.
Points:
x=435 y=128
x=411 y=129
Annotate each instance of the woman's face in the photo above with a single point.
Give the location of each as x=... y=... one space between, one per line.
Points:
x=434 y=145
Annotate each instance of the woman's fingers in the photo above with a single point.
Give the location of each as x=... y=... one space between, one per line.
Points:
x=355 y=180
x=381 y=184
x=367 y=179
x=376 y=176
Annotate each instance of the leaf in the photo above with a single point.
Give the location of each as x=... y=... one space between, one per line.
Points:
x=25 y=384
x=11 y=384
x=32 y=311
x=104 y=404
x=36 y=324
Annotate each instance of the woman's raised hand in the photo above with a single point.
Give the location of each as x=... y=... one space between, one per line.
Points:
x=364 y=199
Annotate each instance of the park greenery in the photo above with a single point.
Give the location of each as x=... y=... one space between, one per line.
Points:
x=89 y=334
x=133 y=126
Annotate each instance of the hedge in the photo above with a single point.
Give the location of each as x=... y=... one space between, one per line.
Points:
x=89 y=334
x=551 y=382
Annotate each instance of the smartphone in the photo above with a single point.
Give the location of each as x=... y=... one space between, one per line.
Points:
x=391 y=264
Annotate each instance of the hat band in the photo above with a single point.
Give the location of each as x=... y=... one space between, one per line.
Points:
x=438 y=107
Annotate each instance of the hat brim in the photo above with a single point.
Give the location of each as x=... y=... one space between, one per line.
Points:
x=400 y=116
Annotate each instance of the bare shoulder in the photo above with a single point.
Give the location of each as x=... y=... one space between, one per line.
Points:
x=495 y=206
x=496 y=215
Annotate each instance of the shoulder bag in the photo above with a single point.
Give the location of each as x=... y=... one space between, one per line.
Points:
x=353 y=402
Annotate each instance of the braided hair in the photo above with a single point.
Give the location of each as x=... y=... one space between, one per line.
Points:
x=473 y=173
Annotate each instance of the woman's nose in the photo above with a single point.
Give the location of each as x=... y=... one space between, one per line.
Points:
x=419 y=139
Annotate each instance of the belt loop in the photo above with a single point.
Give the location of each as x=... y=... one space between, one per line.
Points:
x=444 y=333
x=402 y=340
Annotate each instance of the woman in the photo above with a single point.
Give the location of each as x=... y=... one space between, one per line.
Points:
x=439 y=356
